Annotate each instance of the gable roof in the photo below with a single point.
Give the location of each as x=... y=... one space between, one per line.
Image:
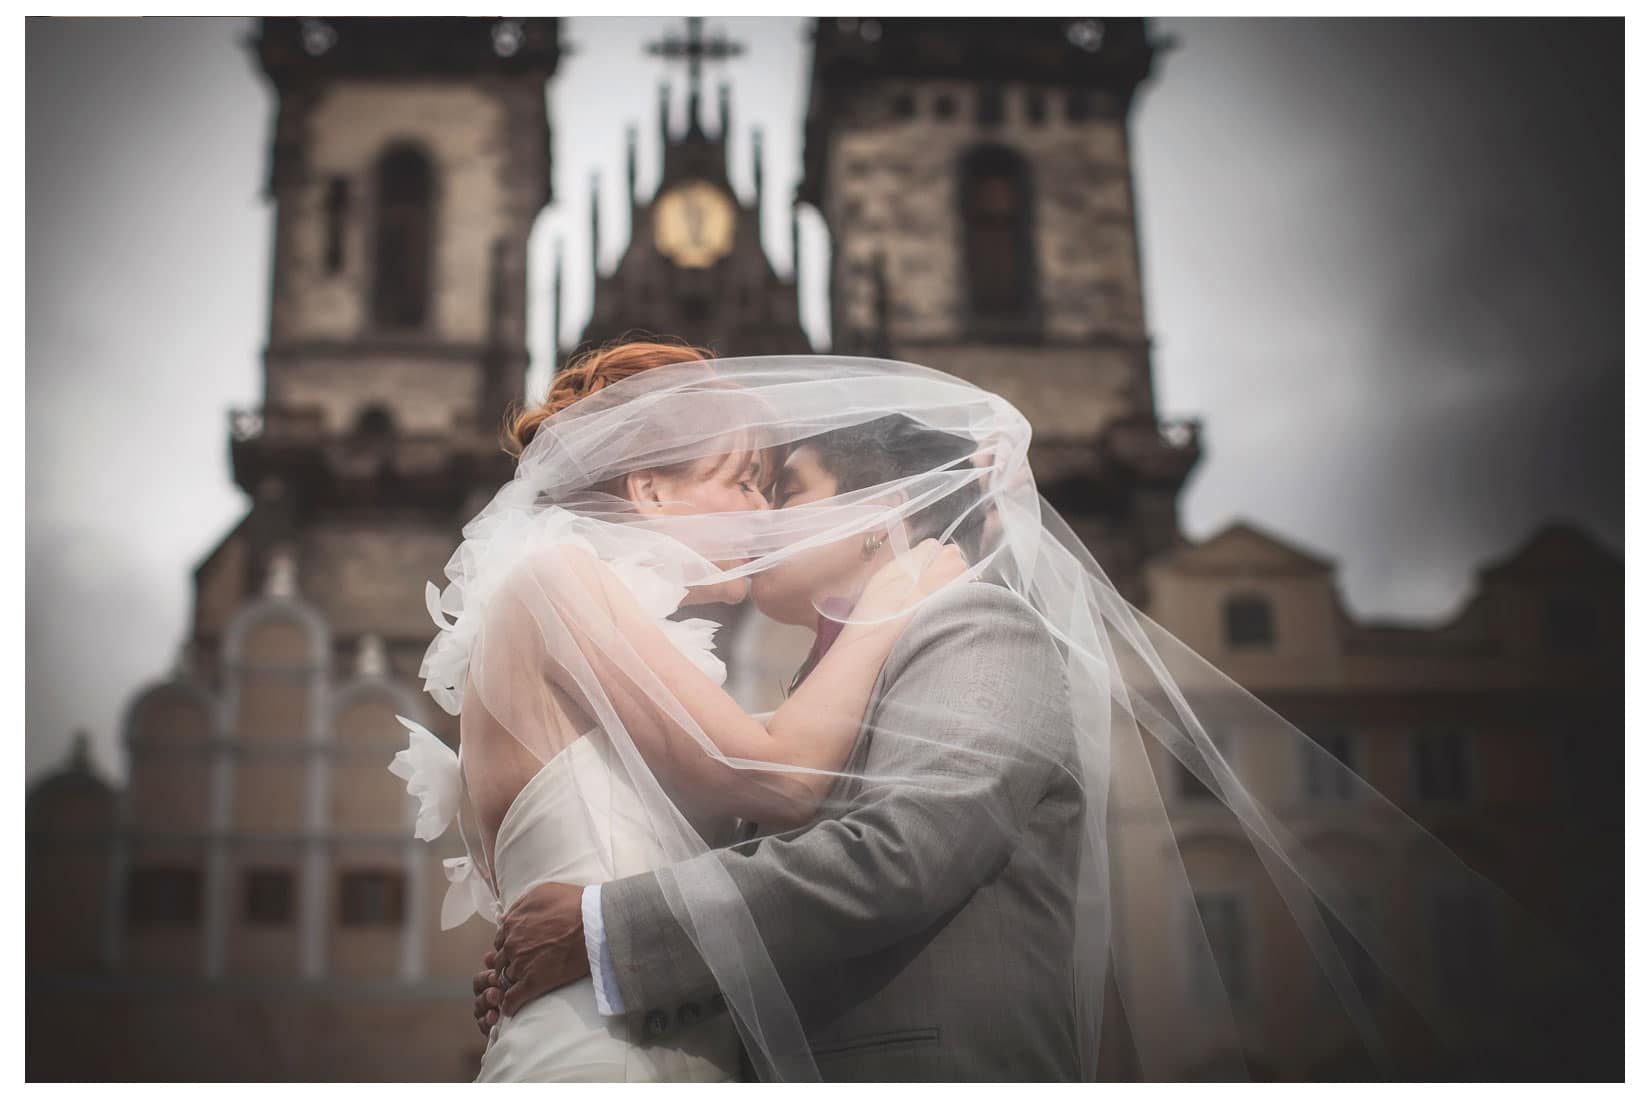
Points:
x=1244 y=547
x=1556 y=547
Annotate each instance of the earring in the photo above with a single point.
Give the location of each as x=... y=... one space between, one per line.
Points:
x=869 y=548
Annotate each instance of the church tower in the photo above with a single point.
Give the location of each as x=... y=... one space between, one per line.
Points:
x=975 y=180
x=410 y=159
x=263 y=870
x=695 y=267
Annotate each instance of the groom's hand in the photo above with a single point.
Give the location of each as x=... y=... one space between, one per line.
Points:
x=485 y=987
x=540 y=944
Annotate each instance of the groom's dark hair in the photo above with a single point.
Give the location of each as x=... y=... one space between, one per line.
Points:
x=896 y=446
x=890 y=448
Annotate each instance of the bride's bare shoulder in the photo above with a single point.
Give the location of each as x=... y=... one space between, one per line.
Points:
x=549 y=569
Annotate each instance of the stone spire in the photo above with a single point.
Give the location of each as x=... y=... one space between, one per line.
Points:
x=371 y=660
x=555 y=313
x=281 y=582
x=630 y=164
x=695 y=49
x=80 y=753
x=595 y=225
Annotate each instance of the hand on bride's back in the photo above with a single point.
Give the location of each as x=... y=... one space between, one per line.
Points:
x=540 y=944
x=892 y=590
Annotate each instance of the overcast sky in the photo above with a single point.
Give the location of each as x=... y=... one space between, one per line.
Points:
x=1383 y=265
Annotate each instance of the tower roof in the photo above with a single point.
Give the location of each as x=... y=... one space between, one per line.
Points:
x=76 y=779
x=1556 y=548
x=1244 y=546
x=1102 y=55
x=1114 y=54
x=695 y=49
x=694 y=154
x=736 y=303
x=297 y=48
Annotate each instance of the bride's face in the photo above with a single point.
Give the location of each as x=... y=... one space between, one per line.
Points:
x=791 y=591
x=732 y=482
x=720 y=483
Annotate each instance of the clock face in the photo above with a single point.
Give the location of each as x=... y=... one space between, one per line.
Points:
x=693 y=224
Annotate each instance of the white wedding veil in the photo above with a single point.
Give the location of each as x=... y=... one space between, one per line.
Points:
x=529 y=648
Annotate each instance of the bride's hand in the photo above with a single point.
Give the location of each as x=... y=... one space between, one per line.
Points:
x=891 y=589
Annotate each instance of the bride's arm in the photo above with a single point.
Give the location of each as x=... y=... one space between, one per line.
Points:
x=623 y=668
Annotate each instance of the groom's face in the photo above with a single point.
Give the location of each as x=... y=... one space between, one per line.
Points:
x=791 y=591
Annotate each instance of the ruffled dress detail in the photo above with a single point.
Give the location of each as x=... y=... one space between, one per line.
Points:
x=432 y=771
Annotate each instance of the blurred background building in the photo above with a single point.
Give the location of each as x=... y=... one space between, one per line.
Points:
x=251 y=903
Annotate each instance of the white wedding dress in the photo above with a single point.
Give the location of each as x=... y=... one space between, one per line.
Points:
x=578 y=820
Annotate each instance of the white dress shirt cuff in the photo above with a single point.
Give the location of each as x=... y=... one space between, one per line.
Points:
x=602 y=974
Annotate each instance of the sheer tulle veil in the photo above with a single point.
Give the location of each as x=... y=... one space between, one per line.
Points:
x=1343 y=963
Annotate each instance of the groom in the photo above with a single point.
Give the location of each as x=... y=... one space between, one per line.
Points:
x=923 y=925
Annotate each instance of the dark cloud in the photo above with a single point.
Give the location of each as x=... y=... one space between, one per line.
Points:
x=1385 y=264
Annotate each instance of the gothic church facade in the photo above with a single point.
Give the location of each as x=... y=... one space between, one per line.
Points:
x=252 y=905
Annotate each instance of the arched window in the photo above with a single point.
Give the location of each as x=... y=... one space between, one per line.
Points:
x=337 y=218
x=404 y=238
x=1036 y=108
x=1249 y=622
x=988 y=107
x=374 y=423
x=1190 y=787
x=1439 y=764
x=1328 y=764
x=998 y=252
x=362 y=801
x=1219 y=919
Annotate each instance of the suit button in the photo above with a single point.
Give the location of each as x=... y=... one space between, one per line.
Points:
x=656 y=1023
x=688 y=1013
x=718 y=1003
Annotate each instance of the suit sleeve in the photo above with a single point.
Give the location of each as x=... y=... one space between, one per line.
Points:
x=966 y=740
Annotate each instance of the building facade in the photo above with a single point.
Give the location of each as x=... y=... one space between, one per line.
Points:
x=252 y=905
x=266 y=912
x=1499 y=731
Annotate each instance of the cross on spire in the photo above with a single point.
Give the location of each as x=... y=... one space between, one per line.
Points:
x=695 y=49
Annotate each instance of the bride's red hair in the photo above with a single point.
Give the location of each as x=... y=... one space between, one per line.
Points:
x=591 y=372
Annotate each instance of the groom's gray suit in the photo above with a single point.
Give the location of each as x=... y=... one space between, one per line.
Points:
x=924 y=927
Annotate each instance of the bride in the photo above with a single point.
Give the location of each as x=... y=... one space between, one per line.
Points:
x=951 y=813
x=560 y=804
